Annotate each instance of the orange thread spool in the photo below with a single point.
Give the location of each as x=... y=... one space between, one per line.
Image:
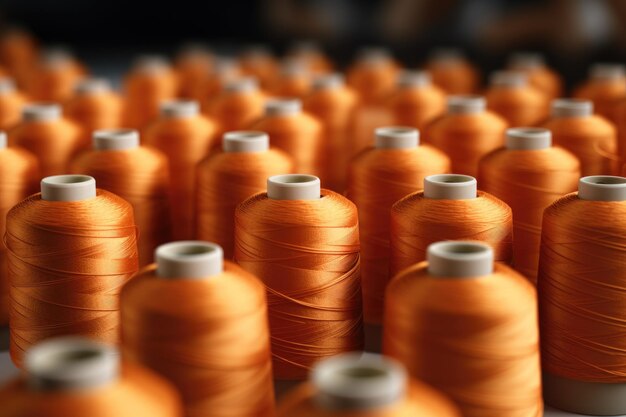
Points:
x=293 y=80
x=186 y=137
x=469 y=328
x=592 y=138
x=466 y=133
x=54 y=76
x=12 y=103
x=150 y=82
x=19 y=173
x=225 y=71
x=138 y=174
x=70 y=249
x=333 y=103
x=373 y=75
x=202 y=323
x=228 y=178
x=193 y=65
x=303 y=244
x=379 y=177
x=416 y=101
x=18 y=52
x=519 y=103
x=581 y=284
x=77 y=377
x=297 y=133
x=258 y=62
x=605 y=88
x=54 y=139
x=539 y=74
x=449 y=208
x=312 y=55
x=452 y=72
x=360 y=385
x=528 y=175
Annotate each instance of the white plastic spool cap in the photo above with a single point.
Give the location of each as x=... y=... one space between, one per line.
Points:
x=294 y=187
x=305 y=47
x=508 y=79
x=450 y=187
x=526 y=60
x=115 y=139
x=40 y=112
x=374 y=55
x=358 y=381
x=3 y=140
x=571 y=107
x=459 y=259
x=396 y=137
x=328 y=81
x=68 y=188
x=189 y=259
x=294 y=67
x=283 y=107
x=70 y=363
x=180 y=108
x=443 y=56
x=528 y=138
x=92 y=86
x=604 y=71
x=245 y=141
x=56 y=57
x=413 y=79
x=225 y=67
x=151 y=64
x=466 y=104
x=7 y=85
x=602 y=188
x=242 y=85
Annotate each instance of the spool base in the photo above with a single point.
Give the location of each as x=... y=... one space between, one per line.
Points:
x=283 y=386
x=590 y=398
x=4 y=338
x=373 y=337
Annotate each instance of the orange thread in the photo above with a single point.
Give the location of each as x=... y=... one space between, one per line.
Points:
x=519 y=104
x=306 y=252
x=193 y=65
x=238 y=105
x=208 y=336
x=605 y=93
x=259 y=63
x=67 y=262
x=18 y=52
x=366 y=118
x=452 y=72
x=373 y=76
x=293 y=80
x=539 y=74
x=312 y=56
x=416 y=103
x=475 y=339
x=11 y=104
x=224 y=72
x=53 y=77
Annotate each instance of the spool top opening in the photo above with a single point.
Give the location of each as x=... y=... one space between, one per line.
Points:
x=245 y=141
x=328 y=81
x=450 y=187
x=40 y=112
x=528 y=138
x=189 y=259
x=180 y=108
x=571 y=107
x=509 y=78
x=7 y=85
x=396 y=137
x=466 y=104
x=92 y=86
x=294 y=187
x=357 y=381
x=607 y=72
x=115 y=139
x=459 y=259
x=68 y=188
x=602 y=188
x=283 y=107
x=242 y=85
x=413 y=79
x=526 y=60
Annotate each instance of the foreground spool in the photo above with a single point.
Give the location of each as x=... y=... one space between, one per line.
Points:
x=355 y=384
x=581 y=303
x=76 y=376
x=469 y=328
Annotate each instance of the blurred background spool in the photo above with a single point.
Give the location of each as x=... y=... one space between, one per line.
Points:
x=150 y=81
x=581 y=283
x=225 y=71
x=303 y=243
x=333 y=103
x=258 y=61
x=452 y=72
x=19 y=175
x=201 y=322
x=606 y=87
x=12 y=103
x=70 y=249
x=293 y=80
x=449 y=208
x=54 y=76
x=359 y=385
x=469 y=328
x=75 y=376
x=297 y=133
x=378 y=177
x=54 y=139
x=186 y=137
x=466 y=133
x=227 y=178
x=539 y=74
x=312 y=55
x=193 y=65
x=520 y=104
x=528 y=174
x=18 y=52
x=138 y=174
x=592 y=138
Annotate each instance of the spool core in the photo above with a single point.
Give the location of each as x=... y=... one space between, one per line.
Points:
x=450 y=187
x=528 y=138
x=526 y=60
x=357 y=381
x=180 y=108
x=151 y=64
x=115 y=139
x=602 y=188
x=40 y=112
x=446 y=55
x=508 y=79
x=328 y=81
x=245 y=141
x=571 y=107
x=466 y=104
x=68 y=188
x=242 y=85
x=413 y=79
x=293 y=187
x=396 y=137
x=374 y=55
x=92 y=86
x=283 y=107
x=607 y=72
x=7 y=85
x=189 y=259
x=459 y=259
x=3 y=140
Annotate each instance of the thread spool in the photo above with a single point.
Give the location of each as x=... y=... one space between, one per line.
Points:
x=450 y=321
x=225 y=70
x=70 y=249
x=373 y=75
x=292 y=80
x=511 y=96
x=201 y=322
x=528 y=174
x=11 y=104
x=452 y=72
x=86 y=377
x=186 y=137
x=449 y=208
x=591 y=138
x=579 y=298
x=54 y=76
x=193 y=65
x=605 y=87
x=312 y=55
x=355 y=384
x=416 y=101
x=240 y=104
x=139 y=175
x=53 y=139
x=302 y=242
x=18 y=52
x=539 y=74
x=379 y=177
x=466 y=133
x=258 y=61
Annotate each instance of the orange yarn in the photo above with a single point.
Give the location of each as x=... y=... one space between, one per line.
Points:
x=11 y=104
x=306 y=252
x=53 y=79
x=416 y=106
x=373 y=79
x=453 y=75
x=476 y=339
x=18 y=52
x=312 y=56
x=293 y=80
x=19 y=173
x=543 y=79
x=518 y=105
x=236 y=110
x=95 y=110
x=605 y=95
x=581 y=285
x=259 y=64
x=193 y=67
x=416 y=222
x=367 y=118
x=223 y=72
x=376 y=180
x=67 y=262
x=208 y=336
